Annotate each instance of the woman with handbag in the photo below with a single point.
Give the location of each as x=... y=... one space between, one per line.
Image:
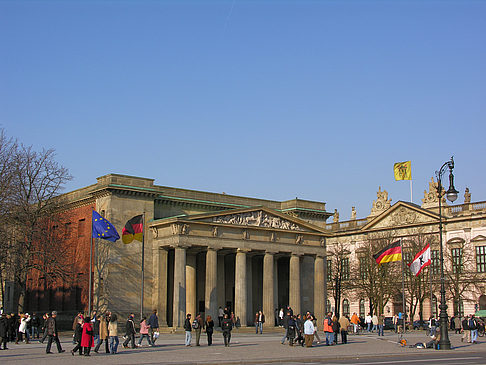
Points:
x=209 y=329
x=87 y=336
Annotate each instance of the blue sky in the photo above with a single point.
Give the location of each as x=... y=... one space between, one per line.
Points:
x=269 y=99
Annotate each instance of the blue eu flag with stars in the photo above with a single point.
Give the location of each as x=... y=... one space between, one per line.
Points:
x=103 y=229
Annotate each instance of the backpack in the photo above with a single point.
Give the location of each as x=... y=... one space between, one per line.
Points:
x=195 y=324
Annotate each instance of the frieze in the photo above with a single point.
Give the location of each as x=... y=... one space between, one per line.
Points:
x=257 y=219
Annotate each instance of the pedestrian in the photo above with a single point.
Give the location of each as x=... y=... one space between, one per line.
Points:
x=368 y=322
x=316 y=332
x=45 y=317
x=78 y=334
x=355 y=322
x=95 y=323
x=381 y=324
x=198 y=325
x=457 y=324
x=395 y=323
x=465 y=327
x=103 y=333
x=299 y=326
x=3 y=332
x=328 y=330
x=209 y=325
x=432 y=325
x=153 y=323
x=35 y=323
x=227 y=326
x=335 y=329
x=188 y=329
x=130 y=332
x=144 y=332
x=23 y=328
x=280 y=317
x=12 y=325
x=220 y=316
x=285 y=324
x=87 y=336
x=292 y=330
x=234 y=320
x=374 y=321
x=259 y=321
x=344 y=324
x=309 y=331
x=113 y=332
x=473 y=327
x=52 y=334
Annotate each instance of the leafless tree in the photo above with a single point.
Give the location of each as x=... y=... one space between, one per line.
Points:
x=340 y=272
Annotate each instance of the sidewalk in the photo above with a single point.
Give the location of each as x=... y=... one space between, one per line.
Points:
x=245 y=348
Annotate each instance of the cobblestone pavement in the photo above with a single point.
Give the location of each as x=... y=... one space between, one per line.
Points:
x=248 y=348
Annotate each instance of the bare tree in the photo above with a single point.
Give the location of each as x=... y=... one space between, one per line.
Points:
x=376 y=282
x=31 y=223
x=340 y=278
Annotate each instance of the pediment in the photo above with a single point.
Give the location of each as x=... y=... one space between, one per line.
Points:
x=479 y=238
x=260 y=217
x=399 y=215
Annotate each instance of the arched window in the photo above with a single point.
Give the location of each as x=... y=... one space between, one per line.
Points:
x=482 y=302
x=361 y=308
x=434 y=306
x=459 y=307
x=345 y=307
x=328 y=306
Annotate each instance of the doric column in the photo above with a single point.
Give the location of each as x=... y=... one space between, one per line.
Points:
x=240 y=286
x=211 y=295
x=160 y=284
x=191 y=285
x=294 y=283
x=268 y=289
x=179 y=308
x=319 y=287
x=221 y=282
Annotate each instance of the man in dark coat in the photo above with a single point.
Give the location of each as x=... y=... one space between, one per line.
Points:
x=3 y=332
x=153 y=322
x=286 y=326
x=227 y=326
x=130 y=332
x=51 y=328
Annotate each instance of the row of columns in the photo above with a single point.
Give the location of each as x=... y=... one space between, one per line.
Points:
x=184 y=297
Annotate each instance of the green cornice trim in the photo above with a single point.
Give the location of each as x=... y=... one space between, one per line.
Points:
x=131 y=187
x=306 y=209
x=204 y=201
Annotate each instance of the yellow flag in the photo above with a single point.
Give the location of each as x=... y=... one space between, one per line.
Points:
x=403 y=170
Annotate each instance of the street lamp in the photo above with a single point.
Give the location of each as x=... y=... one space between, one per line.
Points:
x=451 y=194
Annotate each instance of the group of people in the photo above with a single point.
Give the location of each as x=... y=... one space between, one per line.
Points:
x=198 y=325
x=104 y=328
x=303 y=329
x=469 y=327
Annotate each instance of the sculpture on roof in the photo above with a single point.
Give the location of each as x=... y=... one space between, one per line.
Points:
x=381 y=203
x=336 y=216
x=431 y=198
x=353 y=213
x=467 y=196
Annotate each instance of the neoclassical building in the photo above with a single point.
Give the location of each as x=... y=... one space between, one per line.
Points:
x=208 y=250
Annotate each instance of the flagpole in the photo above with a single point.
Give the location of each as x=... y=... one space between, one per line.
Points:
x=143 y=258
x=411 y=195
x=90 y=265
x=403 y=291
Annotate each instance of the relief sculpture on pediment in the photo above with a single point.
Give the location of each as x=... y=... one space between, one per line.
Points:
x=258 y=219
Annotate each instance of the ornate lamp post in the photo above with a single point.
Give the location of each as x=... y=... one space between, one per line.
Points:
x=451 y=194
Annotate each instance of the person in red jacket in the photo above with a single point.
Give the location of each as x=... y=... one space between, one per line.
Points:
x=87 y=336
x=328 y=330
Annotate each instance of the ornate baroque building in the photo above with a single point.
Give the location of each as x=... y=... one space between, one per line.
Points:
x=206 y=250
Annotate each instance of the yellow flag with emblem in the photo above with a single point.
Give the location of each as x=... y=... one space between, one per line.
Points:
x=403 y=170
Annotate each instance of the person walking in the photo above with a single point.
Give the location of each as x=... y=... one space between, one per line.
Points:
x=335 y=329
x=153 y=323
x=144 y=332
x=328 y=329
x=103 y=333
x=355 y=322
x=280 y=317
x=78 y=334
x=259 y=321
x=188 y=329
x=198 y=325
x=374 y=321
x=381 y=324
x=35 y=323
x=87 y=335
x=473 y=327
x=466 y=332
x=113 y=332
x=457 y=324
x=299 y=326
x=3 y=332
x=292 y=330
x=45 y=317
x=209 y=325
x=316 y=332
x=51 y=329
x=432 y=325
x=23 y=328
x=368 y=322
x=344 y=324
x=227 y=326
x=130 y=332
x=309 y=331
x=285 y=324
x=220 y=316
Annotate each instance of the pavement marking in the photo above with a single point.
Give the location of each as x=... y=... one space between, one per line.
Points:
x=420 y=360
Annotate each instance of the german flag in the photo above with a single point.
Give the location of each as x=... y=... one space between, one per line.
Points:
x=133 y=230
x=390 y=253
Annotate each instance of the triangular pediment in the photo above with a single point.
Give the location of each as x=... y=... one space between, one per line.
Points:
x=401 y=214
x=261 y=217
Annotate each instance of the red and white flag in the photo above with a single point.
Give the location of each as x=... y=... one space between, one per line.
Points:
x=421 y=260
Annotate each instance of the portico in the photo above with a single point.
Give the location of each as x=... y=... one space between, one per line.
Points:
x=246 y=260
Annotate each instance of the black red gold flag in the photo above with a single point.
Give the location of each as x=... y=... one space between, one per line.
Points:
x=390 y=253
x=133 y=230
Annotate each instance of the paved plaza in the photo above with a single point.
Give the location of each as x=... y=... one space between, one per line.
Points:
x=248 y=348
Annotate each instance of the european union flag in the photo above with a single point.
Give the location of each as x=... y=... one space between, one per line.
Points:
x=103 y=229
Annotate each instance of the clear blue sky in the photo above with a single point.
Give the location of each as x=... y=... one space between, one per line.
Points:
x=270 y=99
